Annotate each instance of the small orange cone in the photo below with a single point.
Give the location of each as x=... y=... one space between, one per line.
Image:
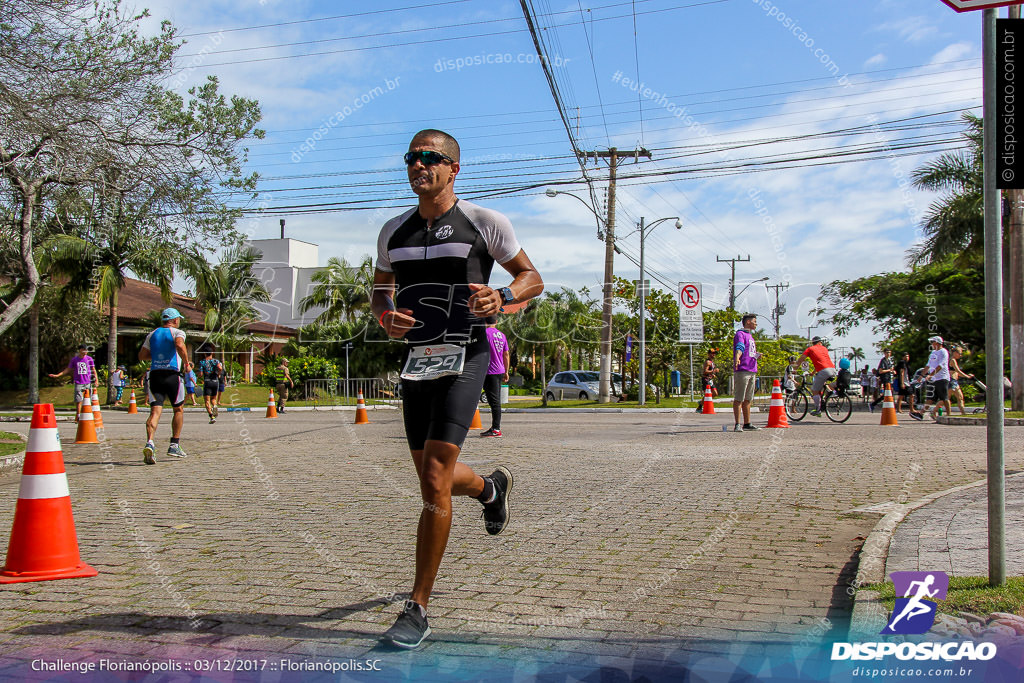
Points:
x=476 y=423
x=97 y=416
x=86 y=425
x=271 y=404
x=709 y=404
x=43 y=544
x=777 y=411
x=361 y=416
x=133 y=407
x=888 y=409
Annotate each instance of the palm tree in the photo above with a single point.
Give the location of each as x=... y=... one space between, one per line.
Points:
x=100 y=262
x=856 y=354
x=226 y=293
x=954 y=223
x=341 y=289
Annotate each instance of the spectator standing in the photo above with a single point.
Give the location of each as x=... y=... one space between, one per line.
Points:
x=744 y=365
x=82 y=369
x=190 y=385
x=497 y=372
x=955 y=375
x=284 y=381
x=886 y=371
x=903 y=383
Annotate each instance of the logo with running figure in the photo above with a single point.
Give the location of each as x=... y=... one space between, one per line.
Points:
x=914 y=613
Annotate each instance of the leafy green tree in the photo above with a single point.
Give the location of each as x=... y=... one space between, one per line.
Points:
x=83 y=104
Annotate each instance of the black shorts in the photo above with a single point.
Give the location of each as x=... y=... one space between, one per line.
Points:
x=210 y=387
x=442 y=409
x=166 y=385
x=938 y=390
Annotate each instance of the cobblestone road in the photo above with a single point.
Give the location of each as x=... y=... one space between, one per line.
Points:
x=628 y=532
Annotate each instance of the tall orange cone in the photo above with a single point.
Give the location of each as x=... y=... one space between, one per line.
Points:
x=362 y=418
x=777 y=410
x=271 y=404
x=709 y=403
x=86 y=425
x=888 y=409
x=43 y=544
x=97 y=416
x=133 y=407
x=476 y=423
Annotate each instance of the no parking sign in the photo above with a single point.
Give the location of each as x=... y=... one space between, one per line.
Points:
x=691 y=313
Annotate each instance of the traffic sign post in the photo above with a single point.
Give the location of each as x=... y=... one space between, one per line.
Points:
x=691 y=313
x=971 y=5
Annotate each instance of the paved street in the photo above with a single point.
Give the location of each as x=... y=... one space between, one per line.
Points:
x=630 y=533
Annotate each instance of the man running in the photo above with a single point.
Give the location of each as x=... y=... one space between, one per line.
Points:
x=824 y=370
x=744 y=375
x=83 y=376
x=165 y=349
x=210 y=369
x=284 y=381
x=430 y=289
x=497 y=372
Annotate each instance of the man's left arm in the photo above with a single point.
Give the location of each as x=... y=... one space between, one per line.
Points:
x=506 y=358
x=526 y=284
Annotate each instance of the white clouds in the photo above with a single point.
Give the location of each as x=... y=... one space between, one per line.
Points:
x=875 y=61
x=912 y=29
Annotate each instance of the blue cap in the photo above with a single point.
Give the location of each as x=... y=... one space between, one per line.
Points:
x=170 y=314
x=844 y=363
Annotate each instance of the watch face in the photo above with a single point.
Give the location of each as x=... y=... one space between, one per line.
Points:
x=506 y=294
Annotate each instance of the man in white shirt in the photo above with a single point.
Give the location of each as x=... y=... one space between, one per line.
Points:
x=938 y=378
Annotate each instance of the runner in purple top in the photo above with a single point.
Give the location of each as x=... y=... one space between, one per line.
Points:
x=83 y=375
x=744 y=364
x=497 y=372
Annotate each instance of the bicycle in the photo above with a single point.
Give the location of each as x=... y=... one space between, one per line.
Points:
x=835 y=403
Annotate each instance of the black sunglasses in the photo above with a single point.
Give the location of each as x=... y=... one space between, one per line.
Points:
x=427 y=158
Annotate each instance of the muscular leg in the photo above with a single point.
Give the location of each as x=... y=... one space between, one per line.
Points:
x=152 y=421
x=177 y=420
x=441 y=476
x=736 y=410
x=746 y=412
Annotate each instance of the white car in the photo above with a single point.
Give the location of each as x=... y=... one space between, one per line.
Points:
x=575 y=384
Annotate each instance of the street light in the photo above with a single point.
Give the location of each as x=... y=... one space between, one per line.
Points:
x=604 y=390
x=644 y=231
x=748 y=284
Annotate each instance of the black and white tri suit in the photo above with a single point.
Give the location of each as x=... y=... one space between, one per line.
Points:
x=433 y=267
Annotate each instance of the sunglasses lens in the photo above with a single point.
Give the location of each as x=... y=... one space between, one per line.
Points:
x=426 y=157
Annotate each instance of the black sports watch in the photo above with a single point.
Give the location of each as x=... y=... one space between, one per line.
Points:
x=507 y=296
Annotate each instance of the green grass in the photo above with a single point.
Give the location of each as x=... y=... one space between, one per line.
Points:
x=11 y=448
x=968 y=594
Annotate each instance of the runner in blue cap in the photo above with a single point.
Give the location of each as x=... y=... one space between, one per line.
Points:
x=165 y=349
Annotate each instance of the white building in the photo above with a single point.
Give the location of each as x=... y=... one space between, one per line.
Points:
x=286 y=270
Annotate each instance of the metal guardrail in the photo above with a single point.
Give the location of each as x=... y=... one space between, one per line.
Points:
x=324 y=393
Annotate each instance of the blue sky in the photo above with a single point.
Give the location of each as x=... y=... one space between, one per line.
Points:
x=730 y=84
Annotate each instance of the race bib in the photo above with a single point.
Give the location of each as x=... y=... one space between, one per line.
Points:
x=431 y=362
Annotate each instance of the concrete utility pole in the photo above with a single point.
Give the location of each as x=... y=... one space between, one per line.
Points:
x=1016 y=285
x=732 y=278
x=779 y=307
x=614 y=156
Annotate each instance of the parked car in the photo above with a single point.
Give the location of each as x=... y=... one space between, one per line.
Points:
x=855 y=388
x=575 y=384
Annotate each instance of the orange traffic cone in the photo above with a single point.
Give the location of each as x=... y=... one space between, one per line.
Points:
x=43 y=542
x=709 y=404
x=133 y=407
x=97 y=416
x=86 y=425
x=362 y=418
x=777 y=411
x=476 y=423
x=271 y=404
x=888 y=409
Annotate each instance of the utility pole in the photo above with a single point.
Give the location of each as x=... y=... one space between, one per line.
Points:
x=1016 y=285
x=732 y=278
x=614 y=156
x=779 y=307
x=809 y=328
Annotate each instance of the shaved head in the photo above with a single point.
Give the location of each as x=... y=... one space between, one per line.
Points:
x=446 y=144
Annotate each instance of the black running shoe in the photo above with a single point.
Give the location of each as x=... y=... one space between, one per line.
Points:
x=750 y=428
x=496 y=514
x=917 y=416
x=409 y=630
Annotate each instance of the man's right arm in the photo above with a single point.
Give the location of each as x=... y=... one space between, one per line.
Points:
x=396 y=322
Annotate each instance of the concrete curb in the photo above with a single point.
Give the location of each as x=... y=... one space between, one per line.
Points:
x=979 y=421
x=868 y=613
x=28 y=418
x=612 y=410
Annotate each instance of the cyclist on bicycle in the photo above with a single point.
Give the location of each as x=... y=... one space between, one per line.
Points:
x=824 y=370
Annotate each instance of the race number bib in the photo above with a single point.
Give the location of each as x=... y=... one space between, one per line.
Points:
x=431 y=362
